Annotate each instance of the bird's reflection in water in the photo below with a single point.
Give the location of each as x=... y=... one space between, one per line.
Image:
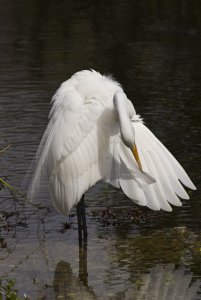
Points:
x=165 y=283
x=67 y=286
x=161 y=283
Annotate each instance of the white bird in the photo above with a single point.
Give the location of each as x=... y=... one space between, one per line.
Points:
x=95 y=134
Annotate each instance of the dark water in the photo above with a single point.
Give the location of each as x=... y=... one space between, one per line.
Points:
x=154 y=49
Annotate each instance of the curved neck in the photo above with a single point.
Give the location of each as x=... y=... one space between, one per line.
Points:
x=127 y=131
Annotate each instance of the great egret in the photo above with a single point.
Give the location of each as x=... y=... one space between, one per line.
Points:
x=94 y=133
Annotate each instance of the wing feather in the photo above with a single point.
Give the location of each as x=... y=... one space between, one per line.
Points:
x=82 y=144
x=178 y=169
x=149 y=190
x=72 y=148
x=165 y=181
x=158 y=162
x=159 y=149
x=159 y=192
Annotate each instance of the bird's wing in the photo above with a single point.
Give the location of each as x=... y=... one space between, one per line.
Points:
x=72 y=150
x=160 y=163
x=124 y=172
x=159 y=183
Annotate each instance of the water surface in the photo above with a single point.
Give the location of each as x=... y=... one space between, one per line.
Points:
x=153 y=49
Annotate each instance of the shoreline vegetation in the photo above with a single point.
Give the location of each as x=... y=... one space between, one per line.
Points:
x=7 y=285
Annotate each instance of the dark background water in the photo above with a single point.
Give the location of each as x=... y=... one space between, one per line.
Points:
x=154 y=49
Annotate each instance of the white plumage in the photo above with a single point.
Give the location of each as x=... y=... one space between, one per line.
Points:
x=92 y=130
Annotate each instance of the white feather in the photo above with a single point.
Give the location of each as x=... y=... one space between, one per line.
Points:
x=87 y=140
x=158 y=161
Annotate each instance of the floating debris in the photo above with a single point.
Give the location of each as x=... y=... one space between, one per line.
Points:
x=112 y=216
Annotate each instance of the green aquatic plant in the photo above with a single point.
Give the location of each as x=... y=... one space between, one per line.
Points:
x=4 y=184
x=3 y=181
x=8 y=290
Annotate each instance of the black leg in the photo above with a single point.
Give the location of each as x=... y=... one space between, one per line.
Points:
x=82 y=224
x=83 y=275
x=79 y=221
x=84 y=221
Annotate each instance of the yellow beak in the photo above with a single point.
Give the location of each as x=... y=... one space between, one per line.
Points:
x=137 y=158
